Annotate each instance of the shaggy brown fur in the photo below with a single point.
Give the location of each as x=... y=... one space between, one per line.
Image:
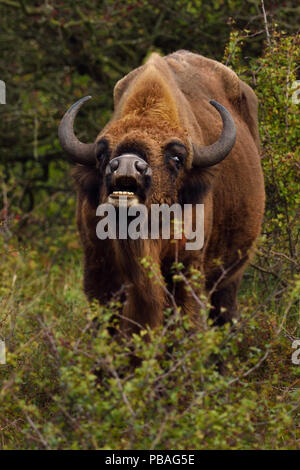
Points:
x=167 y=99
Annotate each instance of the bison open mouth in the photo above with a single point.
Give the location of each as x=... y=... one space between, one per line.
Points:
x=123 y=198
x=125 y=192
x=122 y=193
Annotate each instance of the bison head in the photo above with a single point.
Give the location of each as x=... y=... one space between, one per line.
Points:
x=145 y=161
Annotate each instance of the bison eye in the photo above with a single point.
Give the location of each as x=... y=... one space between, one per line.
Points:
x=175 y=162
x=175 y=153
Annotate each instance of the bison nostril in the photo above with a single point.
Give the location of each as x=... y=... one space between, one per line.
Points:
x=114 y=165
x=141 y=166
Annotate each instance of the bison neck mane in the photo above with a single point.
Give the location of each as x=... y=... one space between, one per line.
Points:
x=145 y=288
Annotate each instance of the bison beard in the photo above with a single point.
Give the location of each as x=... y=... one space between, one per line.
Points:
x=167 y=144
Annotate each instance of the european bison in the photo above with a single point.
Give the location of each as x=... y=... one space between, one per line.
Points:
x=185 y=131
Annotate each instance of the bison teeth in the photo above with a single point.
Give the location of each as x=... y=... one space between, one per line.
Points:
x=122 y=193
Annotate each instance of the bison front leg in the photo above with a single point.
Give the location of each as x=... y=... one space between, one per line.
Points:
x=190 y=304
x=224 y=303
x=143 y=307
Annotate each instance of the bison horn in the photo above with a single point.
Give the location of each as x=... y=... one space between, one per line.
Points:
x=79 y=152
x=215 y=153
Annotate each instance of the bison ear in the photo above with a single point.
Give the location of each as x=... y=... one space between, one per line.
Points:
x=215 y=153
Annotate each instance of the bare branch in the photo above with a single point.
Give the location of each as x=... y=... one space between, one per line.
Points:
x=266 y=23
